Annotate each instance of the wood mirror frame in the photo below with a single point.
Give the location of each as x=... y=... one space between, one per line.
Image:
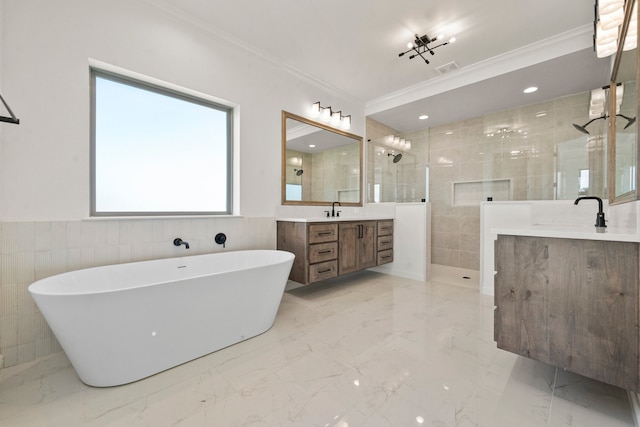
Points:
x=332 y=180
x=618 y=77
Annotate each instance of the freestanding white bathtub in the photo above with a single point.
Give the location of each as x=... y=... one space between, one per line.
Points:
x=122 y=323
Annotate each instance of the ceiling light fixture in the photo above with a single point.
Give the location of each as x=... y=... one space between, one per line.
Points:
x=610 y=25
x=423 y=117
x=421 y=46
x=530 y=89
x=327 y=115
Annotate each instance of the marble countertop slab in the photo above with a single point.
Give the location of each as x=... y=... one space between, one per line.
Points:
x=334 y=219
x=571 y=232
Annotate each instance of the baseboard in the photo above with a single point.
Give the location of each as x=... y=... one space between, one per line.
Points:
x=634 y=401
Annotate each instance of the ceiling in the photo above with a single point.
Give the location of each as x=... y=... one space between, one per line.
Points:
x=352 y=47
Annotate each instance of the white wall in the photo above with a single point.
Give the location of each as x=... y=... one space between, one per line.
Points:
x=46 y=51
x=411 y=240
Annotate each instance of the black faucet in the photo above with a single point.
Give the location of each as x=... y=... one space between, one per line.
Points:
x=600 y=222
x=333 y=210
x=179 y=242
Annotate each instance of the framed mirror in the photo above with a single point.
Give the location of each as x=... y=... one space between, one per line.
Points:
x=320 y=164
x=623 y=136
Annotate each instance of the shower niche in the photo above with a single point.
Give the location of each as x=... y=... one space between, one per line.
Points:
x=472 y=193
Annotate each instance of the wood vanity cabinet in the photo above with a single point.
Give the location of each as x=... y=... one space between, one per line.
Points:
x=357 y=246
x=571 y=303
x=328 y=249
x=385 y=242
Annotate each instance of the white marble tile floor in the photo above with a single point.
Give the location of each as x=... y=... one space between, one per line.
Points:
x=365 y=350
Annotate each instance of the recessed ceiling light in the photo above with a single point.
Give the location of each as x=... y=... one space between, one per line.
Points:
x=423 y=117
x=312 y=146
x=530 y=89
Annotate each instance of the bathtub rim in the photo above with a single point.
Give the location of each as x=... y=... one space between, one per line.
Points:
x=36 y=288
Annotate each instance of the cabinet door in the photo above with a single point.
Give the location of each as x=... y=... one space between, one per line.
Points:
x=570 y=303
x=367 y=255
x=348 y=236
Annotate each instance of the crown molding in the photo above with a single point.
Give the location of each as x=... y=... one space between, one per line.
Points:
x=562 y=44
x=221 y=35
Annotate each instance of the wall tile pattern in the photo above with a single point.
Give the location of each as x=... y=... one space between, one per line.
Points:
x=522 y=149
x=518 y=145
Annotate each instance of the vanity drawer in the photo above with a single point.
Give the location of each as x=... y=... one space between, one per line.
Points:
x=323 y=270
x=323 y=252
x=385 y=256
x=385 y=242
x=321 y=233
x=385 y=228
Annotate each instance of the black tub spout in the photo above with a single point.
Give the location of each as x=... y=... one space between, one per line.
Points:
x=179 y=242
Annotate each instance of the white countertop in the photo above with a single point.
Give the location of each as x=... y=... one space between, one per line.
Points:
x=334 y=219
x=570 y=232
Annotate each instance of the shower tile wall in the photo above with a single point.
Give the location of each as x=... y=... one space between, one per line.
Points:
x=33 y=250
x=518 y=145
x=402 y=182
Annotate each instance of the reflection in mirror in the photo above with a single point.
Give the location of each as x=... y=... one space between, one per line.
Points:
x=320 y=164
x=394 y=176
x=623 y=150
x=624 y=186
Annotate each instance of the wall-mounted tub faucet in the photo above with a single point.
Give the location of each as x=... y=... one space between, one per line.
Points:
x=600 y=221
x=178 y=242
x=220 y=239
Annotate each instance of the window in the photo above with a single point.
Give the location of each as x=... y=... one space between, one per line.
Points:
x=156 y=151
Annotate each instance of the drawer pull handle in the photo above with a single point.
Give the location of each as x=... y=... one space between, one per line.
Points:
x=385 y=228
x=325 y=252
x=385 y=256
x=324 y=271
x=385 y=242
x=325 y=233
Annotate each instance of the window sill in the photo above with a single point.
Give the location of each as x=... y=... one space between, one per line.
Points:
x=127 y=217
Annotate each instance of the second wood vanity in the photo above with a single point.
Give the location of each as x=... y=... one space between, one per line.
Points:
x=570 y=302
x=331 y=248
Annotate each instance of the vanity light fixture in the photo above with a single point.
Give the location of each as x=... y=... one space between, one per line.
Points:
x=609 y=23
x=420 y=46
x=395 y=142
x=11 y=119
x=327 y=115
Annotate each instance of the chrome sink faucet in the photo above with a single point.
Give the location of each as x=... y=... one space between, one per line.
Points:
x=600 y=221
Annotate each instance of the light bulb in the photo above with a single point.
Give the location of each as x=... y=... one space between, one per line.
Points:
x=326 y=114
x=346 y=122
x=315 y=109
